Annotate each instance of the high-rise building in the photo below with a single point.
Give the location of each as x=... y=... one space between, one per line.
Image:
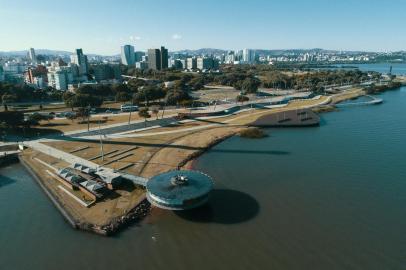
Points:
x=248 y=56
x=191 y=63
x=204 y=63
x=36 y=77
x=158 y=58
x=1 y=74
x=104 y=72
x=127 y=55
x=32 y=56
x=138 y=56
x=177 y=63
x=154 y=59
x=164 y=58
x=80 y=59
x=141 y=65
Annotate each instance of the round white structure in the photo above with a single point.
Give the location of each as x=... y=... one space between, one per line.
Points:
x=179 y=189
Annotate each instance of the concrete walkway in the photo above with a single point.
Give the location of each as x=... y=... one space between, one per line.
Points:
x=121 y=127
x=56 y=153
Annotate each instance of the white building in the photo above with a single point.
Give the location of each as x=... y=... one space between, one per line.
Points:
x=60 y=77
x=141 y=65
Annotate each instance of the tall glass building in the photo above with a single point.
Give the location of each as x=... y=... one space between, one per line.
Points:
x=127 y=55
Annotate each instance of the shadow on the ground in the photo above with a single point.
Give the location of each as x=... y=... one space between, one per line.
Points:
x=20 y=134
x=178 y=146
x=54 y=124
x=225 y=206
x=208 y=121
x=4 y=181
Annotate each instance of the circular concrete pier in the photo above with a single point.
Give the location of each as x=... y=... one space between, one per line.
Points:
x=179 y=189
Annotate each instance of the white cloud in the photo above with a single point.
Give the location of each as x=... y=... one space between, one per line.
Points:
x=176 y=36
x=132 y=38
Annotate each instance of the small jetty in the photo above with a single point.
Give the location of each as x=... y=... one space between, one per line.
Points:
x=293 y=118
x=373 y=101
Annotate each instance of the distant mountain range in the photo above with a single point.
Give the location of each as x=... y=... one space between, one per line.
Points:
x=211 y=51
x=203 y=51
x=37 y=51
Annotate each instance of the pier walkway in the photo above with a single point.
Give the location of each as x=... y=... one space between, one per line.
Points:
x=373 y=101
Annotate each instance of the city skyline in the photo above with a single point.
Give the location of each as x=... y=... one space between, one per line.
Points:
x=102 y=27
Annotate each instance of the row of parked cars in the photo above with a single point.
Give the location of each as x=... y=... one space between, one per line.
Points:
x=67 y=114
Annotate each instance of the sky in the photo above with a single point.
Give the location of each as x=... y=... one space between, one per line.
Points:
x=102 y=26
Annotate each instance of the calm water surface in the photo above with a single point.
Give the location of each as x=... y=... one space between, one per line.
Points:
x=331 y=197
x=397 y=68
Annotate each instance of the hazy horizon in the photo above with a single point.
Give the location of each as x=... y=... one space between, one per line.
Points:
x=101 y=27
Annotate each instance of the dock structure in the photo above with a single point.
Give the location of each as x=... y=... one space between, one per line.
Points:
x=230 y=108
x=373 y=101
x=293 y=118
x=137 y=180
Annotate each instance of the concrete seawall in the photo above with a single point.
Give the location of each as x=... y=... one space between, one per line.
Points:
x=57 y=204
x=6 y=159
x=135 y=214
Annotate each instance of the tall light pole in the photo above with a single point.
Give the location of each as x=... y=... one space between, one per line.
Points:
x=101 y=143
x=131 y=109
x=88 y=117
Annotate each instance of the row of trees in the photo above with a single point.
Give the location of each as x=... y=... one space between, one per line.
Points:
x=15 y=119
x=315 y=80
x=11 y=93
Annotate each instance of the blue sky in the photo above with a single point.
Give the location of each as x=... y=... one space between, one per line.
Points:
x=102 y=26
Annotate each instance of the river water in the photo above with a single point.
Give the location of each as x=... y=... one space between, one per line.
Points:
x=329 y=197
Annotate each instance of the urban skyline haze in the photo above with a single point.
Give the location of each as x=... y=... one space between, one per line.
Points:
x=102 y=27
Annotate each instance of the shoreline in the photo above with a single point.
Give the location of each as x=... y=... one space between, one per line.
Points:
x=115 y=225
x=190 y=164
x=186 y=159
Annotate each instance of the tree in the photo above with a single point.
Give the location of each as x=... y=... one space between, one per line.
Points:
x=12 y=118
x=68 y=99
x=71 y=116
x=83 y=113
x=242 y=99
x=174 y=96
x=148 y=93
x=144 y=113
x=135 y=84
x=250 y=85
x=81 y=100
x=155 y=111
x=123 y=96
x=35 y=118
x=8 y=98
x=120 y=88
x=86 y=89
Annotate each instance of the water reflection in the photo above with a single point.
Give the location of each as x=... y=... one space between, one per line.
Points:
x=224 y=207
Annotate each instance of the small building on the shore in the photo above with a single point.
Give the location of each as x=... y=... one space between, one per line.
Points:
x=111 y=178
x=92 y=188
x=83 y=168
x=75 y=181
x=70 y=179
x=179 y=189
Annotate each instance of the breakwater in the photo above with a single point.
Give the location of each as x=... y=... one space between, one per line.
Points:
x=139 y=211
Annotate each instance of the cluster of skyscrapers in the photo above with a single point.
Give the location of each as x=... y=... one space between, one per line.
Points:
x=245 y=56
x=156 y=59
x=159 y=59
x=59 y=74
